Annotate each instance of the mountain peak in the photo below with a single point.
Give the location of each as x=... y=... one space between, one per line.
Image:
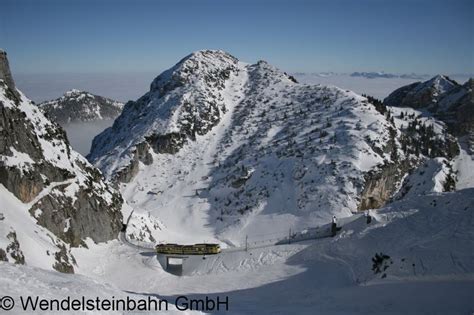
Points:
x=73 y=92
x=442 y=78
x=440 y=83
x=206 y=55
x=210 y=52
x=199 y=64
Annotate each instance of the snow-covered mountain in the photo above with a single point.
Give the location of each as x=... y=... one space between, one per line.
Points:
x=51 y=197
x=81 y=106
x=421 y=94
x=444 y=98
x=222 y=148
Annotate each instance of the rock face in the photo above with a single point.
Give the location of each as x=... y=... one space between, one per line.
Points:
x=62 y=191
x=80 y=106
x=5 y=73
x=255 y=148
x=445 y=98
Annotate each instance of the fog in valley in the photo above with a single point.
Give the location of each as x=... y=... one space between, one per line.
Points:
x=81 y=134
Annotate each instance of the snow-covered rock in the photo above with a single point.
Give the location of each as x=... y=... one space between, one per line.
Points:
x=5 y=73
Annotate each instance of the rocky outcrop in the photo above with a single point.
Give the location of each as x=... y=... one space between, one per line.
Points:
x=128 y=172
x=3 y=255
x=167 y=143
x=17 y=136
x=381 y=184
x=64 y=260
x=414 y=144
x=13 y=249
x=5 y=73
x=81 y=106
x=68 y=196
x=80 y=217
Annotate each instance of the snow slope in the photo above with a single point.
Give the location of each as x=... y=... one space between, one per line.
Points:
x=464 y=165
x=22 y=281
x=430 y=268
x=35 y=241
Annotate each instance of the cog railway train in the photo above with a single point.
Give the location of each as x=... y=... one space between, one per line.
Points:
x=196 y=249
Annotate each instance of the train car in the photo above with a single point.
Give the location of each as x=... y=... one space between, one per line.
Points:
x=169 y=248
x=196 y=249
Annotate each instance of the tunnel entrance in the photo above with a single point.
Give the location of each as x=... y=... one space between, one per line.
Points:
x=174 y=265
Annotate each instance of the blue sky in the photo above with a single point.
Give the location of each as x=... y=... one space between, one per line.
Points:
x=332 y=35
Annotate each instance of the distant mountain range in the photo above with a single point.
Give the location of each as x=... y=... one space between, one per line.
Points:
x=373 y=75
